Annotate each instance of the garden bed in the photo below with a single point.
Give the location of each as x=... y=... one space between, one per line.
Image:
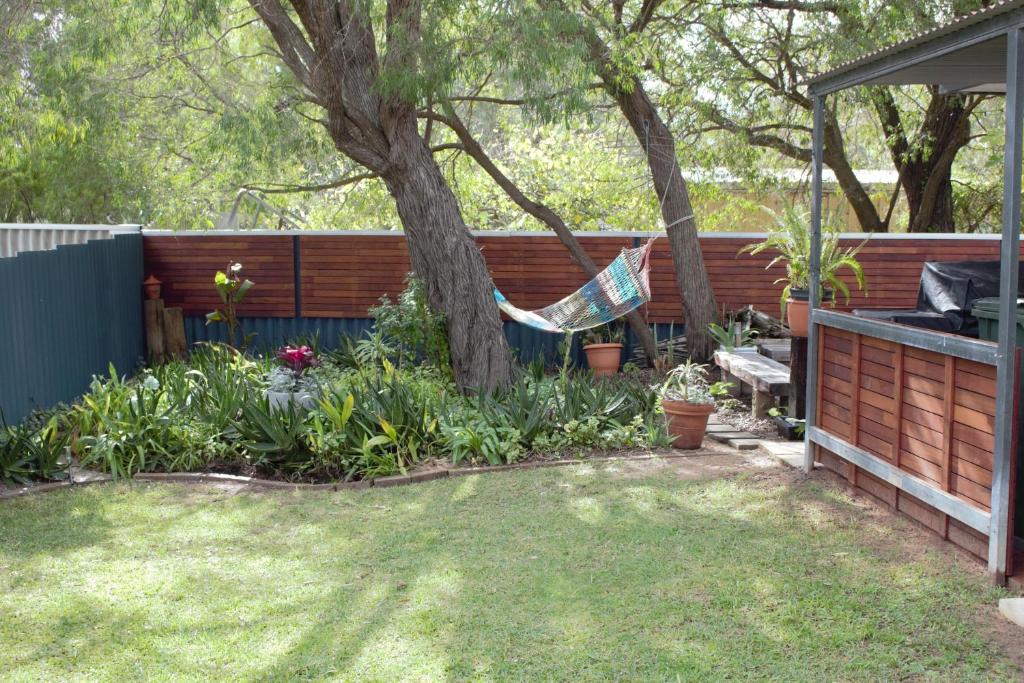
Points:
x=362 y=412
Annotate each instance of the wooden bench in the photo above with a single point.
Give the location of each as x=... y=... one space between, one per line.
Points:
x=776 y=349
x=766 y=378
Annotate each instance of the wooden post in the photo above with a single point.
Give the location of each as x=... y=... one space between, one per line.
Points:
x=174 y=334
x=798 y=378
x=154 y=316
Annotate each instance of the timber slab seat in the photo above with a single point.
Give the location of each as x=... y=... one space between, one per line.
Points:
x=766 y=378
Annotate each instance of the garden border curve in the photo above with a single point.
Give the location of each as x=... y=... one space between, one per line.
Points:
x=379 y=482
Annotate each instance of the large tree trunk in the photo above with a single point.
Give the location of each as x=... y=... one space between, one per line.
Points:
x=659 y=146
x=445 y=256
x=546 y=215
x=926 y=162
x=340 y=67
x=834 y=156
x=928 y=177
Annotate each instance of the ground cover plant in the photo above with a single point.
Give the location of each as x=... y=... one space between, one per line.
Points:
x=373 y=407
x=594 y=571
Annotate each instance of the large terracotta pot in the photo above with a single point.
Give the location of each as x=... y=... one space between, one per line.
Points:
x=687 y=422
x=796 y=317
x=797 y=313
x=603 y=359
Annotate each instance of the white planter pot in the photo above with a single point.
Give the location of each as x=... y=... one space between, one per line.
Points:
x=283 y=400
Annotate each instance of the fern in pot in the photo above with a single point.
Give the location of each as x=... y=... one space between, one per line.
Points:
x=791 y=239
x=688 y=399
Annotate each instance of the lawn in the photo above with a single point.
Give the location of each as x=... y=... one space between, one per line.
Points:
x=587 y=572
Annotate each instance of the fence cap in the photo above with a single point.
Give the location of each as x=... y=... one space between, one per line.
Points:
x=123 y=227
x=611 y=234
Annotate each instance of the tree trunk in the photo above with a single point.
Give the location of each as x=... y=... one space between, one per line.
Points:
x=340 y=67
x=928 y=178
x=926 y=163
x=445 y=256
x=546 y=215
x=834 y=156
x=659 y=145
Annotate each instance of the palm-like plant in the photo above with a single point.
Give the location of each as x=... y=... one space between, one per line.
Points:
x=791 y=238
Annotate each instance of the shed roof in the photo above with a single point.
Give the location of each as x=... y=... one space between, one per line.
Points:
x=966 y=53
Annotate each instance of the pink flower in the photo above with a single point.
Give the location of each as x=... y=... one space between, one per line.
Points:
x=297 y=358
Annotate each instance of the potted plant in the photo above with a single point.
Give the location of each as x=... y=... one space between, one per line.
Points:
x=733 y=337
x=603 y=346
x=152 y=287
x=791 y=239
x=789 y=428
x=688 y=399
x=287 y=384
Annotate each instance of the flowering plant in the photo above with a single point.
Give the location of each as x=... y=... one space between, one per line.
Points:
x=297 y=358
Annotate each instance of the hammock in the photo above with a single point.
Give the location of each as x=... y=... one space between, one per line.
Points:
x=614 y=292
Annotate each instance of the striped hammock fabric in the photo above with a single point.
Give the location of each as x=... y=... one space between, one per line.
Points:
x=614 y=292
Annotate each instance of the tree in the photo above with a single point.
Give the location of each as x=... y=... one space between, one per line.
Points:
x=615 y=42
x=370 y=101
x=750 y=60
x=544 y=214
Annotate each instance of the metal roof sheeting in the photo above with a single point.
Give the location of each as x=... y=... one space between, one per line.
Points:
x=960 y=23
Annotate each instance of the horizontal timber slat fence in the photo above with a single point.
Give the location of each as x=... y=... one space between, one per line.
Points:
x=342 y=274
x=910 y=425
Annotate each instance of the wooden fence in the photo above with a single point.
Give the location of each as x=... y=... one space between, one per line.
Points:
x=925 y=413
x=340 y=275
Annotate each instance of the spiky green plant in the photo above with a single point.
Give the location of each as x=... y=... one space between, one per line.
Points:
x=790 y=237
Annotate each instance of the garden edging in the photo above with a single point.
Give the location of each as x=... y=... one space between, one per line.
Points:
x=379 y=482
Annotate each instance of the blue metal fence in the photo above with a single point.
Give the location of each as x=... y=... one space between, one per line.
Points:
x=65 y=315
x=270 y=333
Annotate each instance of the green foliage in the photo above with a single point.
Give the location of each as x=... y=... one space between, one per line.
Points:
x=790 y=239
x=231 y=289
x=29 y=451
x=368 y=420
x=727 y=338
x=689 y=382
x=413 y=326
x=610 y=333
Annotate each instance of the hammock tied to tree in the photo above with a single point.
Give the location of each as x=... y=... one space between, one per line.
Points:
x=624 y=285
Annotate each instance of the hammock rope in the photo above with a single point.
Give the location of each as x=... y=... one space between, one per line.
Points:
x=618 y=289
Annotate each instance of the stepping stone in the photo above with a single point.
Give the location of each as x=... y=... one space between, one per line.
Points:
x=788 y=452
x=725 y=437
x=1013 y=609
x=720 y=427
x=745 y=444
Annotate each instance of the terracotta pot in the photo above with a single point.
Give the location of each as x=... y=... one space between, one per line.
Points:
x=796 y=317
x=603 y=359
x=152 y=287
x=687 y=422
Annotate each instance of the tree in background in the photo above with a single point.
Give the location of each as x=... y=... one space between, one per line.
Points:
x=615 y=40
x=741 y=66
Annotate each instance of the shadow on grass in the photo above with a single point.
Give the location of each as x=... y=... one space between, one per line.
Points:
x=562 y=573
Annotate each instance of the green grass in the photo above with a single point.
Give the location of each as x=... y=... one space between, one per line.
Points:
x=571 y=573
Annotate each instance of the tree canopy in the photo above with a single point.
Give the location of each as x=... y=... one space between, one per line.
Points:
x=160 y=112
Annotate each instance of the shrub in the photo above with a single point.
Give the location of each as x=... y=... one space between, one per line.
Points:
x=413 y=326
x=29 y=451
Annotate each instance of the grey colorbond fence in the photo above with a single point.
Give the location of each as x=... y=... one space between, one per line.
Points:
x=65 y=315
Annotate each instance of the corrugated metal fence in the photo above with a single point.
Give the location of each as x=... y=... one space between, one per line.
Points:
x=65 y=314
x=20 y=237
